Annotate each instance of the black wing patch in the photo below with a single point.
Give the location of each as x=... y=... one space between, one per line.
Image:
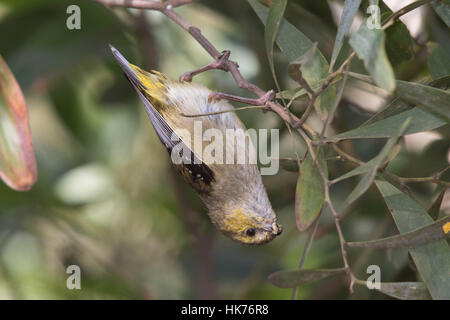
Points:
x=196 y=173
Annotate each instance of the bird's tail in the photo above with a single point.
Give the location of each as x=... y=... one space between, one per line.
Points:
x=152 y=84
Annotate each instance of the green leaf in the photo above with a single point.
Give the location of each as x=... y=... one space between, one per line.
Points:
x=309 y=194
x=399 y=44
x=295 y=278
x=412 y=239
x=375 y=163
x=17 y=161
x=379 y=160
x=295 y=66
x=438 y=61
x=364 y=168
x=289 y=164
x=294 y=44
x=442 y=8
x=403 y=290
x=369 y=45
x=299 y=92
x=432 y=260
x=431 y=99
x=348 y=14
x=398 y=105
x=276 y=13
x=436 y=206
x=420 y=121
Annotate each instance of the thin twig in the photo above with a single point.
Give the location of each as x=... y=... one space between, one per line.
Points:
x=144 y=4
x=166 y=7
x=306 y=252
x=394 y=16
x=222 y=111
x=401 y=180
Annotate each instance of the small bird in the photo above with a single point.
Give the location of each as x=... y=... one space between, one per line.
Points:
x=233 y=193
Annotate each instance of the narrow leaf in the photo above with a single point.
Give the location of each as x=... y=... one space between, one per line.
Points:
x=420 y=121
x=295 y=66
x=276 y=13
x=294 y=44
x=399 y=44
x=289 y=164
x=438 y=61
x=412 y=239
x=436 y=207
x=432 y=260
x=442 y=8
x=364 y=168
x=370 y=47
x=348 y=14
x=431 y=99
x=398 y=105
x=376 y=162
x=309 y=194
x=295 y=278
x=403 y=290
x=17 y=162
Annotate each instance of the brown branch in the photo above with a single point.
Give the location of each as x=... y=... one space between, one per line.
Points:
x=166 y=8
x=144 y=4
x=228 y=65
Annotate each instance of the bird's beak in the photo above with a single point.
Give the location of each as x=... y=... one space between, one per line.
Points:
x=126 y=66
x=276 y=229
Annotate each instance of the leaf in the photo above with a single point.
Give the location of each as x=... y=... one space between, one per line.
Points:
x=403 y=290
x=431 y=99
x=295 y=278
x=348 y=14
x=420 y=121
x=298 y=92
x=289 y=164
x=438 y=61
x=397 y=105
x=357 y=171
x=415 y=238
x=295 y=66
x=309 y=194
x=399 y=44
x=433 y=259
x=442 y=8
x=436 y=206
x=291 y=93
x=294 y=44
x=17 y=161
x=276 y=13
x=376 y=162
x=369 y=45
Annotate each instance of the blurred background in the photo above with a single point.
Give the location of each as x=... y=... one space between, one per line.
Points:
x=107 y=198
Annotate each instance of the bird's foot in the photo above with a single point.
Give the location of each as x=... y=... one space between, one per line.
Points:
x=261 y=101
x=219 y=63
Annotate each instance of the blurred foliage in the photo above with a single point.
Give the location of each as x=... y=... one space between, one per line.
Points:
x=106 y=197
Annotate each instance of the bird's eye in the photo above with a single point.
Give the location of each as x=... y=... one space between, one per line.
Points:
x=250 y=232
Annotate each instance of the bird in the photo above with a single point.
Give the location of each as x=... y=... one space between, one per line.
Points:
x=232 y=191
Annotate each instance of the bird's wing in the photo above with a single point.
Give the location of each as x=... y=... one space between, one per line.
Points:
x=195 y=171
